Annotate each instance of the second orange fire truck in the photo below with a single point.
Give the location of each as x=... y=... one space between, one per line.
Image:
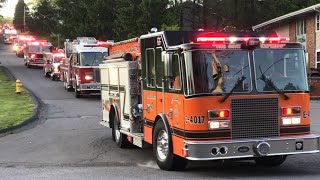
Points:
x=209 y=96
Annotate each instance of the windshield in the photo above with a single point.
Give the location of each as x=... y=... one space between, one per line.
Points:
x=217 y=71
x=33 y=48
x=47 y=48
x=285 y=68
x=57 y=59
x=91 y=58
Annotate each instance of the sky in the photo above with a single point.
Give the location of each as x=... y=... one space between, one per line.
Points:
x=9 y=7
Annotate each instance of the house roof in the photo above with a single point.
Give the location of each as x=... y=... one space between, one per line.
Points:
x=288 y=16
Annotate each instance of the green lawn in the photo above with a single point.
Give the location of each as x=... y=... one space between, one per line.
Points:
x=14 y=108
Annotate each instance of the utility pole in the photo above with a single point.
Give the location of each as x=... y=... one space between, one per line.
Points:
x=24 y=18
x=25 y=10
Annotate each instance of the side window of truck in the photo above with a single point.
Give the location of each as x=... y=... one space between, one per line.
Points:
x=175 y=84
x=150 y=68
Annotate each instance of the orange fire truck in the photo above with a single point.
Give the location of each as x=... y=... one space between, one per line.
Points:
x=80 y=68
x=209 y=96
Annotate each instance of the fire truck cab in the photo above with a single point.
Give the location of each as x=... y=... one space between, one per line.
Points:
x=210 y=96
x=9 y=36
x=80 y=67
x=20 y=43
x=33 y=52
x=51 y=67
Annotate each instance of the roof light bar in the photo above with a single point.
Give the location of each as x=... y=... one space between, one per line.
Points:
x=208 y=39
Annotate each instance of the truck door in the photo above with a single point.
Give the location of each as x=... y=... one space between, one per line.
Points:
x=150 y=93
x=174 y=98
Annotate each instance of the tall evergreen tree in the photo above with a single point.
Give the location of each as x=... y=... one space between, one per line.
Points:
x=18 y=20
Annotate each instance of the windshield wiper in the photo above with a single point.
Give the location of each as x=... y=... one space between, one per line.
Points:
x=238 y=83
x=271 y=84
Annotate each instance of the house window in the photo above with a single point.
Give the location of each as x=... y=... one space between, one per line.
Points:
x=318 y=21
x=301 y=26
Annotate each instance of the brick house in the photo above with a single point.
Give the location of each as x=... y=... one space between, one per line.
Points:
x=300 y=26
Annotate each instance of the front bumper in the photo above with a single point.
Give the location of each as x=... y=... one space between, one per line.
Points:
x=36 y=62
x=246 y=148
x=55 y=73
x=90 y=87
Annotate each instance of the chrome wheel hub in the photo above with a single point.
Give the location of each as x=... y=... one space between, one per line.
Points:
x=162 y=144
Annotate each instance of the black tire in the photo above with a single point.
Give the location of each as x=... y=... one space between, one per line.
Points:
x=270 y=160
x=47 y=74
x=170 y=162
x=120 y=138
x=28 y=66
x=77 y=93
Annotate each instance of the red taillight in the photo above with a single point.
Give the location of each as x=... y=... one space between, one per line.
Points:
x=289 y=111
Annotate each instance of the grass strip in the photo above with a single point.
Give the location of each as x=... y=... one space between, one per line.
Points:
x=14 y=108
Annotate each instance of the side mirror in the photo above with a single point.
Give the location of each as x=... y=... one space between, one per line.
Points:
x=168 y=65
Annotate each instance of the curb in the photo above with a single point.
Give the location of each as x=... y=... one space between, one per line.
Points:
x=35 y=113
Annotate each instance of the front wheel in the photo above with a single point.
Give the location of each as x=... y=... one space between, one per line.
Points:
x=163 y=150
x=77 y=93
x=53 y=78
x=270 y=160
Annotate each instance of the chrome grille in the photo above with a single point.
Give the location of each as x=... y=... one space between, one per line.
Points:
x=254 y=118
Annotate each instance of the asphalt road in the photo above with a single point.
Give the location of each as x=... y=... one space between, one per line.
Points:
x=67 y=142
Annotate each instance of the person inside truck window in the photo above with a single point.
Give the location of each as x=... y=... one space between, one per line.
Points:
x=176 y=84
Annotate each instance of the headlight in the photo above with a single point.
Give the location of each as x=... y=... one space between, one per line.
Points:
x=56 y=69
x=291 y=121
x=88 y=77
x=221 y=124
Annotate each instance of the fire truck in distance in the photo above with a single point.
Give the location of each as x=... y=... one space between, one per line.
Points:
x=33 y=52
x=20 y=43
x=209 y=96
x=80 y=67
x=51 y=66
x=9 y=35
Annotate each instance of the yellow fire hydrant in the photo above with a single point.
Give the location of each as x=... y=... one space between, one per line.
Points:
x=18 y=86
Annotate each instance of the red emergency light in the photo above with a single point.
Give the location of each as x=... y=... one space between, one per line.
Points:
x=289 y=111
x=35 y=43
x=221 y=38
x=58 y=55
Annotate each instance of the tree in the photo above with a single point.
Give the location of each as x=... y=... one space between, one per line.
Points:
x=136 y=17
x=43 y=21
x=2 y=2
x=18 y=20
